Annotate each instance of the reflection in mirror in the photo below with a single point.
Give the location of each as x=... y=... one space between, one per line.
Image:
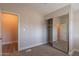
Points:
x=60 y=32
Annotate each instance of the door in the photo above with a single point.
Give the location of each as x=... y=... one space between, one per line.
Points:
x=61 y=33
x=10 y=33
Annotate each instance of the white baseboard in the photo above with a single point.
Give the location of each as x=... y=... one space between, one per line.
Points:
x=28 y=47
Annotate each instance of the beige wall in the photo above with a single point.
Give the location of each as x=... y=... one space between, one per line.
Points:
x=32 y=31
x=31 y=26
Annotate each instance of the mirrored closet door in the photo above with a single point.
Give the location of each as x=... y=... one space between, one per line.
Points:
x=60 y=38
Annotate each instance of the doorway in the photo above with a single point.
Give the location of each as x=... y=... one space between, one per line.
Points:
x=9 y=33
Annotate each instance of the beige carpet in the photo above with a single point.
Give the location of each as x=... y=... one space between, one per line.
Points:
x=76 y=53
x=62 y=45
x=43 y=50
x=46 y=50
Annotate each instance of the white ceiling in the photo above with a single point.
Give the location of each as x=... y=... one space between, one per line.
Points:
x=75 y=6
x=43 y=8
x=46 y=8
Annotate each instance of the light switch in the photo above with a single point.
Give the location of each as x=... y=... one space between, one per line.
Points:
x=24 y=29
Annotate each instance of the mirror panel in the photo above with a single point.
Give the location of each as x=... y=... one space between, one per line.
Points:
x=60 y=33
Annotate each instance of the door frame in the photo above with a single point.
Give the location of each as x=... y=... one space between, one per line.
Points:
x=19 y=24
x=0 y=35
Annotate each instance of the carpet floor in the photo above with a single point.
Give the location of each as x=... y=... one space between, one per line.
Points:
x=61 y=44
x=43 y=50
